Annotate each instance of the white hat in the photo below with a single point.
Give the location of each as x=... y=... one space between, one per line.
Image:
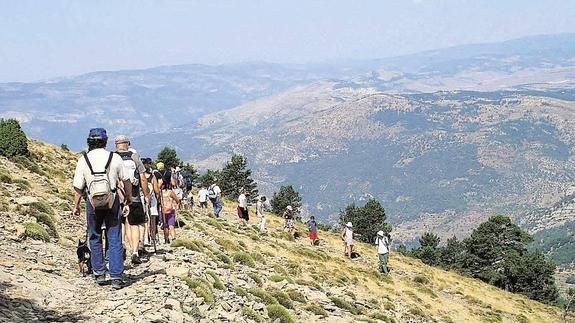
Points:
x=349 y=225
x=289 y=207
x=120 y=139
x=380 y=233
x=177 y=169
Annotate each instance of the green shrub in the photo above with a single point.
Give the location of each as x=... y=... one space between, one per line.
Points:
x=40 y=206
x=13 y=141
x=196 y=282
x=381 y=317
x=420 y=279
x=201 y=288
x=389 y=306
x=308 y=283
x=224 y=259
x=47 y=220
x=257 y=257
x=277 y=278
x=204 y=293
x=266 y=297
x=227 y=244
x=295 y=295
x=286 y=236
x=276 y=311
x=243 y=244
x=36 y=231
x=255 y=237
x=249 y=313
x=217 y=282
x=280 y=270
x=244 y=258
x=311 y=253
x=256 y=278
x=241 y=292
x=293 y=268
x=343 y=304
x=194 y=245
x=281 y=297
x=214 y=223
x=5 y=178
x=316 y=309
x=269 y=254
x=416 y=311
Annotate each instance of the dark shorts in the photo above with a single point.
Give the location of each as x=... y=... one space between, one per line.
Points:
x=137 y=215
x=204 y=205
x=169 y=219
x=243 y=213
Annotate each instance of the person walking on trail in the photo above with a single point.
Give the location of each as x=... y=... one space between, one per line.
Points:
x=347 y=237
x=243 y=208
x=215 y=196
x=382 y=242
x=312 y=226
x=169 y=202
x=260 y=212
x=136 y=219
x=288 y=219
x=154 y=189
x=203 y=199
x=98 y=178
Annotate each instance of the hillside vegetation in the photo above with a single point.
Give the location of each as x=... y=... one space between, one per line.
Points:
x=217 y=272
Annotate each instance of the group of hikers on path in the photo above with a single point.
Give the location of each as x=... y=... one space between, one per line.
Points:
x=126 y=198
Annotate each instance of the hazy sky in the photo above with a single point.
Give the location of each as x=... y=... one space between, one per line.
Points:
x=47 y=38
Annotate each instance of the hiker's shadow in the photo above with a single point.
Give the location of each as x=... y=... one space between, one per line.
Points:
x=130 y=279
x=16 y=309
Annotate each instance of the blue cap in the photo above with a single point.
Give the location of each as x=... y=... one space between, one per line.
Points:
x=98 y=133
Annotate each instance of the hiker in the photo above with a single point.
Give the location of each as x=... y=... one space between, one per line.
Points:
x=203 y=198
x=162 y=174
x=176 y=186
x=347 y=237
x=152 y=210
x=169 y=202
x=382 y=242
x=243 y=208
x=260 y=212
x=136 y=219
x=99 y=175
x=288 y=219
x=312 y=226
x=215 y=195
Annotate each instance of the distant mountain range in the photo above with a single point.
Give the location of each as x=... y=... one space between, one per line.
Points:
x=443 y=138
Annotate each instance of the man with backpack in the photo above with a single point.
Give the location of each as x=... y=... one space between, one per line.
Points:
x=203 y=198
x=99 y=178
x=260 y=212
x=215 y=195
x=136 y=219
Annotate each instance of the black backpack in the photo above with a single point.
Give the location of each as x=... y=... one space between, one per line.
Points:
x=187 y=180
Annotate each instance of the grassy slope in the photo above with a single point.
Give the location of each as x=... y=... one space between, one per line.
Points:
x=414 y=291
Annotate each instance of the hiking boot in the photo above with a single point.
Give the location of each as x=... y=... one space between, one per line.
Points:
x=144 y=255
x=136 y=260
x=118 y=284
x=101 y=280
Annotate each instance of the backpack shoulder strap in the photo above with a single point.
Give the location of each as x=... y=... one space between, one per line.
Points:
x=88 y=162
x=109 y=161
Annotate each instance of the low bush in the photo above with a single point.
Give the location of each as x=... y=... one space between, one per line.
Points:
x=227 y=244
x=256 y=278
x=345 y=305
x=5 y=178
x=276 y=311
x=201 y=287
x=257 y=257
x=36 y=231
x=421 y=279
x=249 y=313
x=194 y=245
x=295 y=295
x=281 y=297
x=217 y=282
x=241 y=292
x=40 y=206
x=308 y=283
x=316 y=309
x=266 y=297
x=244 y=258
x=416 y=311
x=381 y=317
x=277 y=278
x=47 y=220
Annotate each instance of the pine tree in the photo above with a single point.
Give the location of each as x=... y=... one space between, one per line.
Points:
x=367 y=220
x=13 y=141
x=284 y=197
x=208 y=178
x=452 y=254
x=169 y=157
x=428 y=250
x=234 y=176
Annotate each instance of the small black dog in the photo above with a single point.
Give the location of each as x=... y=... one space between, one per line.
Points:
x=84 y=255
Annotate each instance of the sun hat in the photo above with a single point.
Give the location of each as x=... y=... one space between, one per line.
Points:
x=380 y=233
x=289 y=207
x=98 y=133
x=349 y=225
x=160 y=166
x=121 y=139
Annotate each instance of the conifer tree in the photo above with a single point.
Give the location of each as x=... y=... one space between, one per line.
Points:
x=284 y=197
x=169 y=157
x=13 y=141
x=234 y=176
x=367 y=220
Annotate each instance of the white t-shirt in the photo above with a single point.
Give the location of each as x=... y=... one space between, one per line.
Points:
x=203 y=195
x=260 y=209
x=348 y=236
x=217 y=190
x=98 y=158
x=382 y=245
x=243 y=201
